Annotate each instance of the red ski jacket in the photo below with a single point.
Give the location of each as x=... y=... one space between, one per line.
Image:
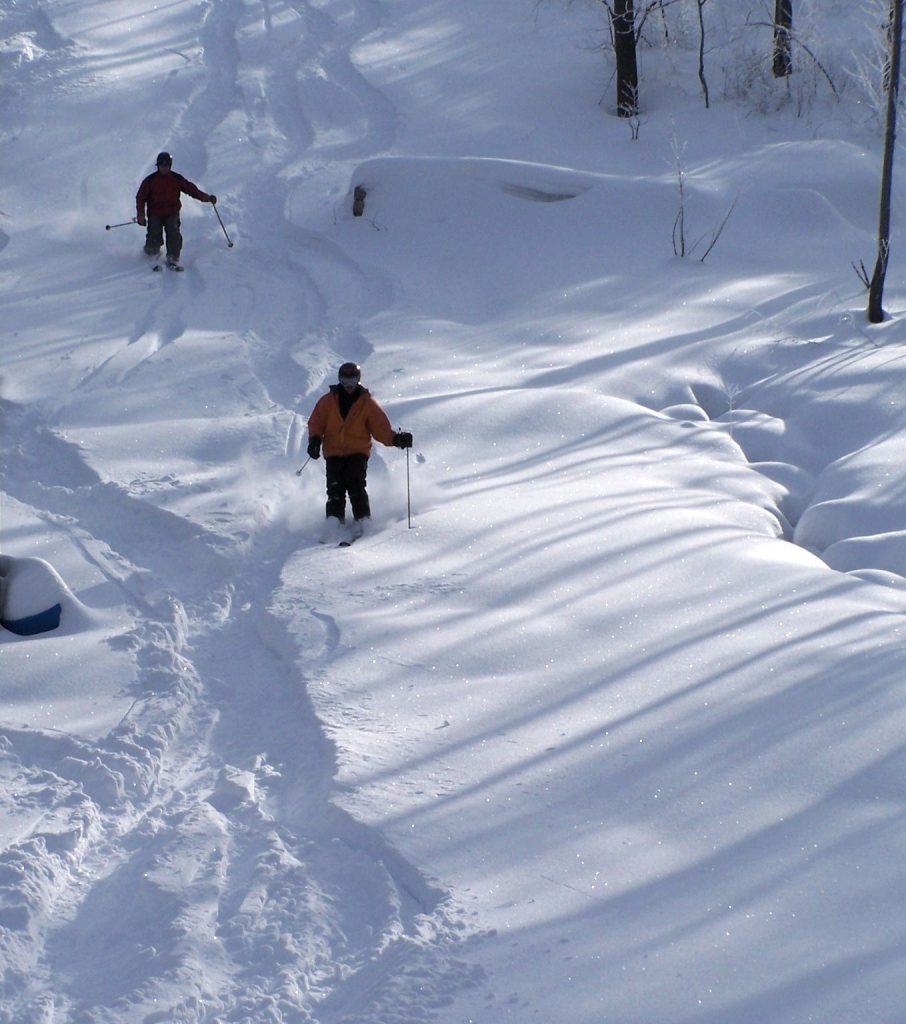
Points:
x=160 y=192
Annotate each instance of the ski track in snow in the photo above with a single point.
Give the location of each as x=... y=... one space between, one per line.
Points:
x=208 y=810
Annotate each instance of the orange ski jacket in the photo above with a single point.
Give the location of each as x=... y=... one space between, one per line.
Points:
x=352 y=436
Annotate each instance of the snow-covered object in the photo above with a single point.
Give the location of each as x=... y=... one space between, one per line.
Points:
x=32 y=595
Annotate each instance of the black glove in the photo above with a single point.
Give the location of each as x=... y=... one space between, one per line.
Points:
x=402 y=440
x=314 y=448
x=212 y=199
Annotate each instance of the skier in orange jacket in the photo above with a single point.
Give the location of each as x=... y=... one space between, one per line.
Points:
x=344 y=422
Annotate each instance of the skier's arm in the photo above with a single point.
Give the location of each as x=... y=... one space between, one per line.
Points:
x=380 y=429
x=317 y=422
x=191 y=189
x=141 y=198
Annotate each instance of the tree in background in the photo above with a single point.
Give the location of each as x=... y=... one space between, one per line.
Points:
x=750 y=73
x=626 y=24
x=876 y=286
x=700 y=4
x=783 y=24
x=622 y=18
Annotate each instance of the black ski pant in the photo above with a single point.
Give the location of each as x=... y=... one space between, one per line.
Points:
x=154 y=239
x=346 y=475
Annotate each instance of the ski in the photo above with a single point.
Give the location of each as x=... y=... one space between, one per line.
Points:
x=356 y=532
x=158 y=263
x=342 y=536
x=346 y=542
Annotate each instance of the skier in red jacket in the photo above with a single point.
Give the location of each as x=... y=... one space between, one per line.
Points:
x=159 y=193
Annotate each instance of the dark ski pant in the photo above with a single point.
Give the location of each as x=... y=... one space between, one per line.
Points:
x=346 y=475
x=154 y=239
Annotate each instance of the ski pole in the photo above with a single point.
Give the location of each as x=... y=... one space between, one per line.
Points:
x=108 y=227
x=408 y=500
x=229 y=240
x=304 y=464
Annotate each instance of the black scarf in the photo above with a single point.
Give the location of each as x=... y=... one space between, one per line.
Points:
x=346 y=399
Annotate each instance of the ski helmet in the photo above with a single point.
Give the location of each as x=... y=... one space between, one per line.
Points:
x=349 y=372
x=164 y=159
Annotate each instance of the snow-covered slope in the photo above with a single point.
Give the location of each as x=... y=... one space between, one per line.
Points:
x=603 y=719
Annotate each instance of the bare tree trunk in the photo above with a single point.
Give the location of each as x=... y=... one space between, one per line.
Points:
x=623 y=19
x=783 y=24
x=888 y=32
x=876 y=287
x=701 y=51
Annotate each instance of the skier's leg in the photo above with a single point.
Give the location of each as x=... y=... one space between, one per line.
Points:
x=174 y=237
x=336 y=487
x=154 y=237
x=356 y=473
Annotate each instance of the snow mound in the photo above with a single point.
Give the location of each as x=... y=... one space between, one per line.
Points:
x=883 y=551
x=35 y=599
